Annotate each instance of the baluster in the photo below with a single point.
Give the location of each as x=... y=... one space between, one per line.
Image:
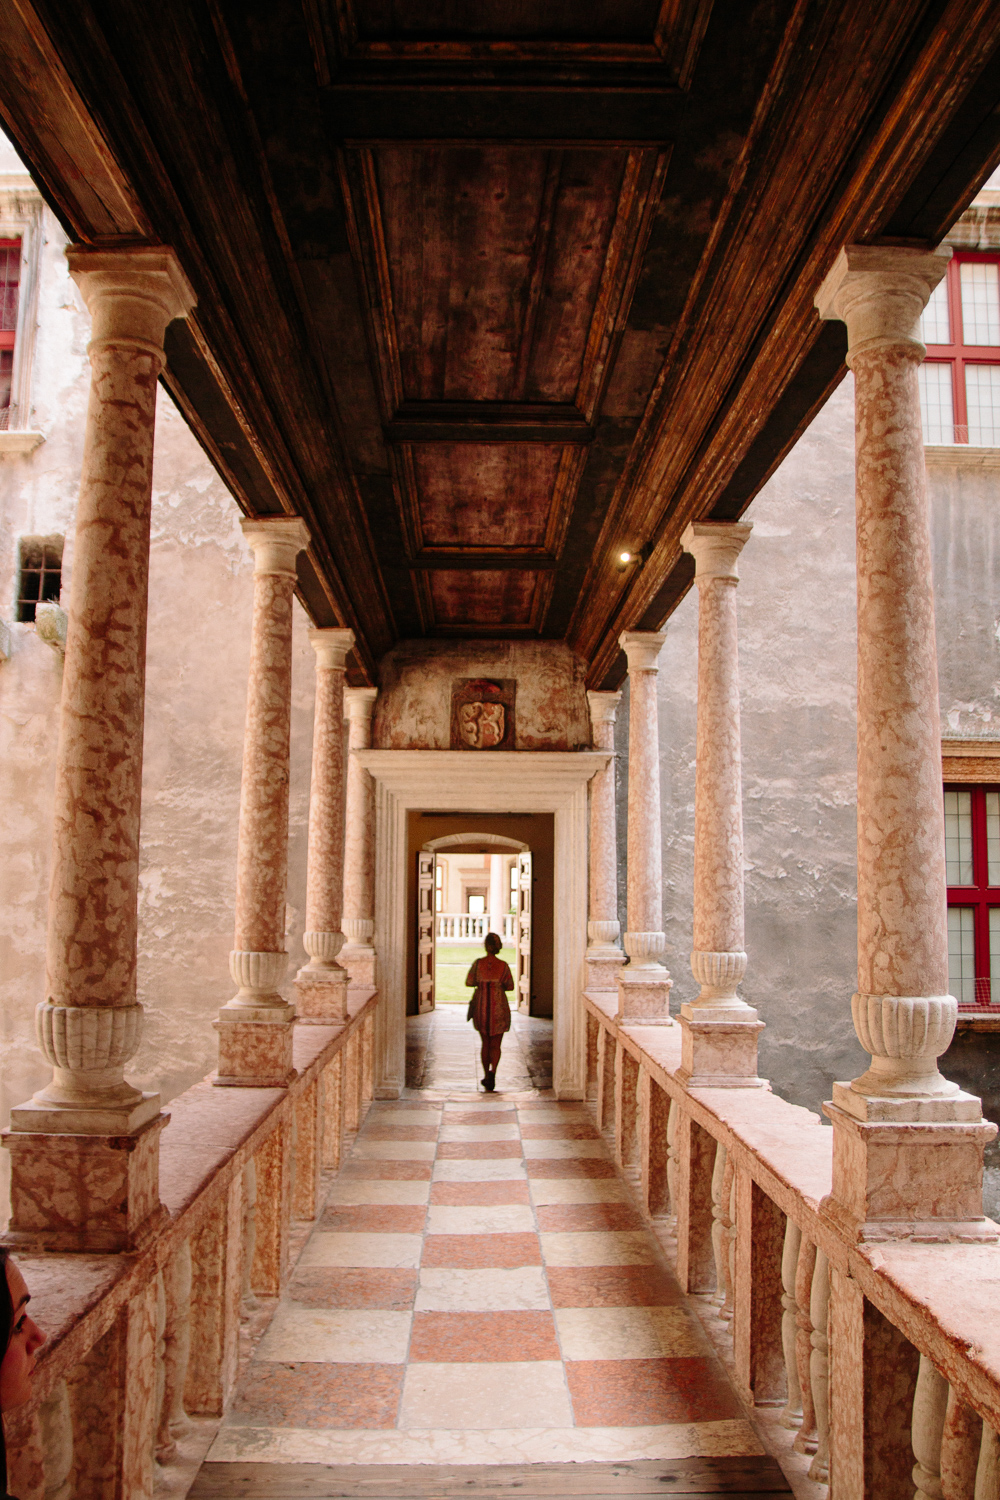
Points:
x=158 y=1351
x=806 y=1438
x=249 y=1231
x=961 y=1441
x=792 y=1414
x=819 y=1367
x=988 y=1470
x=930 y=1403
x=720 y=1248
x=728 y=1223
x=55 y=1421
x=174 y=1422
x=672 y=1164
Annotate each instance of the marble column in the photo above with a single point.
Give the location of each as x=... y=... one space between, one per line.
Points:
x=644 y=985
x=908 y=1145
x=358 y=954
x=604 y=957
x=255 y=1027
x=322 y=985
x=85 y=1149
x=720 y=1029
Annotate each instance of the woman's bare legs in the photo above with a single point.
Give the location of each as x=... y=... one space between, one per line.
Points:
x=490 y=1052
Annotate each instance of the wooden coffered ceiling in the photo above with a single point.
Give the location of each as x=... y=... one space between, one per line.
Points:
x=491 y=291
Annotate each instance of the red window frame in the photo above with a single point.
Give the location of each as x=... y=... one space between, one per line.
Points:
x=8 y=335
x=958 y=354
x=981 y=896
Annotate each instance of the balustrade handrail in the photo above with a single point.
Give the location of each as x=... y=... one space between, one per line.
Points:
x=940 y=1297
x=213 y=1139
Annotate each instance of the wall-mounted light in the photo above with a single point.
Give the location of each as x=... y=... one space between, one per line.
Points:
x=625 y=557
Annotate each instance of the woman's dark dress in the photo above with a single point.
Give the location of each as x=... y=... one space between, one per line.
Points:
x=488 y=1009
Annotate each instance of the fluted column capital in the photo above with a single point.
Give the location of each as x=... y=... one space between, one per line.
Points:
x=715 y=547
x=331 y=647
x=642 y=649
x=880 y=291
x=131 y=293
x=276 y=542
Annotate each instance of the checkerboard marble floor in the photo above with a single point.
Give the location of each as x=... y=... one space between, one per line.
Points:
x=480 y=1289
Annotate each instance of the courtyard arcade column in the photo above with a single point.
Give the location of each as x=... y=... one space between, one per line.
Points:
x=644 y=986
x=322 y=984
x=908 y=1145
x=255 y=1027
x=358 y=954
x=85 y=1149
x=604 y=958
x=720 y=1029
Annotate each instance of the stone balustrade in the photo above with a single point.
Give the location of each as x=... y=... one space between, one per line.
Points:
x=140 y=1344
x=882 y=1356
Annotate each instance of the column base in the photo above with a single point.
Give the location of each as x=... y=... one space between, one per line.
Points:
x=903 y=1169
x=644 y=996
x=39 y=1116
x=322 y=995
x=255 y=1047
x=85 y=1193
x=359 y=961
x=603 y=965
x=719 y=1053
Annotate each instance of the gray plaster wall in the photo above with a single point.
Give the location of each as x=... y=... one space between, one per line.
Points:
x=796 y=606
x=201 y=589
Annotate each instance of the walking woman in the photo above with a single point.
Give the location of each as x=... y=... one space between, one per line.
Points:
x=489 y=1011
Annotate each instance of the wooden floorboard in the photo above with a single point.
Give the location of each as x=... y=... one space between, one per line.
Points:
x=754 y=1478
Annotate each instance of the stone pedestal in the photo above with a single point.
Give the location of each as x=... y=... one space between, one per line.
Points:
x=644 y=985
x=358 y=954
x=908 y=1145
x=321 y=985
x=604 y=958
x=255 y=1027
x=84 y=1150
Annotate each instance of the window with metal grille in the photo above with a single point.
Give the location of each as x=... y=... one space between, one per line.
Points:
x=972 y=853
x=10 y=280
x=39 y=578
x=960 y=378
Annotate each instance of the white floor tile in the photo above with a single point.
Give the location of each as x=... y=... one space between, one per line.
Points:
x=577 y=1190
x=479 y=1171
x=627 y=1333
x=556 y=1150
x=374 y=1190
x=346 y=1336
x=446 y=1290
x=388 y=1251
x=479 y=1132
x=474 y=1395
x=500 y=1218
x=394 y=1150
x=626 y=1247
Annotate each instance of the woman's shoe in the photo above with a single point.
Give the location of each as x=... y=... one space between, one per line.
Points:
x=490 y=1082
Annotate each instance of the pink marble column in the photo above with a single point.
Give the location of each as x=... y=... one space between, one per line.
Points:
x=255 y=1027
x=644 y=985
x=322 y=984
x=720 y=1029
x=604 y=957
x=85 y=1149
x=358 y=954
x=908 y=1145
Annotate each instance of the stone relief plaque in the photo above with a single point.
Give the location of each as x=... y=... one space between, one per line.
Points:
x=482 y=714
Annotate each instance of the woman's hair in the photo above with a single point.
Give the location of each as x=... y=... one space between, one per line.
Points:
x=492 y=943
x=6 y=1330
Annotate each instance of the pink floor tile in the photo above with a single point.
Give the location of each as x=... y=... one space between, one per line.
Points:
x=478 y=1194
x=490 y=1338
x=388 y=1218
x=317 y=1396
x=478 y=1150
x=612 y=1286
x=350 y=1286
x=575 y=1132
x=389 y=1171
x=378 y=1132
x=556 y=1216
x=569 y=1166
x=646 y=1392
x=469 y=1251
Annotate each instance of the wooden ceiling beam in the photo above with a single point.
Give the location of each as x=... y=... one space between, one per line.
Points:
x=488 y=422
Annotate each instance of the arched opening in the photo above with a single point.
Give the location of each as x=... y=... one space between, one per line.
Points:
x=469 y=884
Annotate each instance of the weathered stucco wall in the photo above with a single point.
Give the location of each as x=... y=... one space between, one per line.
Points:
x=797 y=667
x=413 y=711
x=201 y=586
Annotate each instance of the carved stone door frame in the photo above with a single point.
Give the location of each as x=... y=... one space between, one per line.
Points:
x=499 y=781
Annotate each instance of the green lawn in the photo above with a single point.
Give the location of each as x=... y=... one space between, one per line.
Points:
x=452 y=962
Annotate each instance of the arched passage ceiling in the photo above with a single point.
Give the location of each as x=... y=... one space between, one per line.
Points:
x=491 y=290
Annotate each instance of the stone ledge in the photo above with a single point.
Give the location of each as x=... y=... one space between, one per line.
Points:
x=20 y=442
x=960 y=456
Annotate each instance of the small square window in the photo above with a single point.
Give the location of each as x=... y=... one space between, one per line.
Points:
x=39 y=578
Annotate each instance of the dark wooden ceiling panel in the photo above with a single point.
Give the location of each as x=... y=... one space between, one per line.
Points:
x=484 y=496
x=539 y=20
x=483 y=600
